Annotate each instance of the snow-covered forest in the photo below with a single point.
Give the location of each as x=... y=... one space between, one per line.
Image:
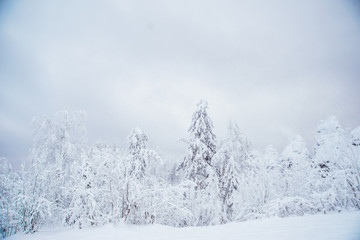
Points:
x=72 y=183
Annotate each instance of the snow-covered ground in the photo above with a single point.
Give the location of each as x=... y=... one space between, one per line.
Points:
x=330 y=226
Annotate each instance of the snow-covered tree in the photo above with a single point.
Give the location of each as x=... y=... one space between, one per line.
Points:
x=261 y=186
x=142 y=160
x=353 y=169
x=202 y=147
x=228 y=185
x=142 y=164
x=272 y=168
x=337 y=162
x=109 y=167
x=294 y=181
x=9 y=218
x=32 y=204
x=355 y=135
x=296 y=169
x=83 y=210
x=232 y=162
x=241 y=147
x=58 y=144
x=197 y=167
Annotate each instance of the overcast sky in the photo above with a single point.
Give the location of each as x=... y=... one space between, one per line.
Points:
x=275 y=67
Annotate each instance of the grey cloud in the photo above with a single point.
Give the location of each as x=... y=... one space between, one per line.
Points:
x=276 y=67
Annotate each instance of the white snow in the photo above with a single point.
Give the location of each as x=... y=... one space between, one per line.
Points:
x=344 y=226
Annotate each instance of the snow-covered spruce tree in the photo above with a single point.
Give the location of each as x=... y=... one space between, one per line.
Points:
x=202 y=147
x=198 y=168
x=233 y=167
x=141 y=167
x=240 y=148
x=336 y=162
x=58 y=144
x=228 y=183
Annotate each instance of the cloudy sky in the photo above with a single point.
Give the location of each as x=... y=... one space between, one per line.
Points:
x=275 y=67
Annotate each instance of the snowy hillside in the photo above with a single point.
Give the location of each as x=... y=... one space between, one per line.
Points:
x=344 y=226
